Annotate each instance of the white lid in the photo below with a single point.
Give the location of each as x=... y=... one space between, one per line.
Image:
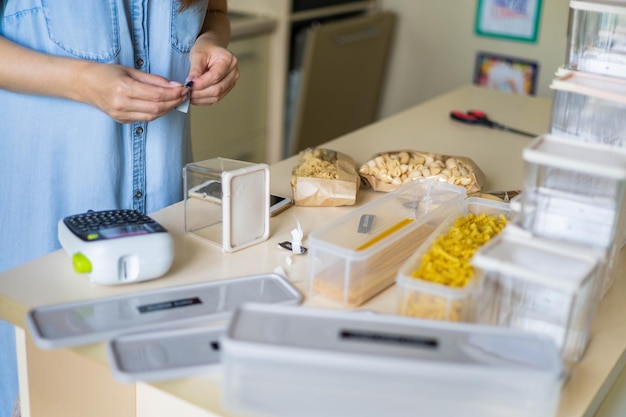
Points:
x=537 y=260
x=604 y=6
x=578 y=156
x=606 y=88
x=164 y=354
x=245 y=206
x=92 y=321
x=392 y=339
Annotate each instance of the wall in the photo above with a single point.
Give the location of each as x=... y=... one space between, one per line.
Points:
x=435 y=48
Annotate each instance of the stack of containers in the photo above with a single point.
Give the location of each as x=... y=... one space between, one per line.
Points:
x=548 y=270
x=574 y=192
x=590 y=91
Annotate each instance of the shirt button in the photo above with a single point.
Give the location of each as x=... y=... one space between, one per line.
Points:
x=138 y=194
x=139 y=63
x=139 y=131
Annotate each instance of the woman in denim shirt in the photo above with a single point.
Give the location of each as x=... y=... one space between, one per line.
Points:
x=88 y=91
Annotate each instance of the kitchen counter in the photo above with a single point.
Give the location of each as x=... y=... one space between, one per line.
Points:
x=77 y=382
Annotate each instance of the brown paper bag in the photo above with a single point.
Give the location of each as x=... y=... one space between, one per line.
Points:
x=324 y=178
x=387 y=171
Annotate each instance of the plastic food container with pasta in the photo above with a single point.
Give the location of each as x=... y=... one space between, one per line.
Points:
x=358 y=255
x=423 y=291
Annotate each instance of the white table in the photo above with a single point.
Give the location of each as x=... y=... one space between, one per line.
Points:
x=77 y=382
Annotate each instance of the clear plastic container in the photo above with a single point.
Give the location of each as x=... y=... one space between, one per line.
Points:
x=535 y=285
x=358 y=255
x=558 y=216
x=573 y=191
x=597 y=38
x=227 y=202
x=305 y=362
x=569 y=222
x=421 y=298
x=589 y=108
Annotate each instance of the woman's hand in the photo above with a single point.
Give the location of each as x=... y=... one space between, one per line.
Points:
x=214 y=71
x=124 y=93
x=129 y=95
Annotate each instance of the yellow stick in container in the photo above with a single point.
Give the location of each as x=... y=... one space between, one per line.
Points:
x=386 y=233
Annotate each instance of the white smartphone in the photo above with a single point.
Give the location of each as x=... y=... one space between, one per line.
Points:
x=278 y=204
x=212 y=190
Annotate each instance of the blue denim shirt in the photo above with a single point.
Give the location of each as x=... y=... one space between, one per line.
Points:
x=59 y=157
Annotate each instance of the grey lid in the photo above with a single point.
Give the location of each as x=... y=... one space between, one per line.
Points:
x=97 y=320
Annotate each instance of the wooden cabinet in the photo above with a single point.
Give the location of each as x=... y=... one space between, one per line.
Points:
x=287 y=18
x=236 y=127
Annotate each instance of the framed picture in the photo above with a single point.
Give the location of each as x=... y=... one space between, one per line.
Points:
x=506 y=73
x=508 y=19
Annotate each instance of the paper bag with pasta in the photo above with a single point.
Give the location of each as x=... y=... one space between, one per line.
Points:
x=387 y=171
x=324 y=178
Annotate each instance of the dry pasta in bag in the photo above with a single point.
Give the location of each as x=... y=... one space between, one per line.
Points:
x=324 y=178
x=387 y=171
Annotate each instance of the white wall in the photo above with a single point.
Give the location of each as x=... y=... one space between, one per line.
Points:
x=435 y=48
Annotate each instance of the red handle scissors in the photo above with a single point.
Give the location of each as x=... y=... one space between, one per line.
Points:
x=477 y=117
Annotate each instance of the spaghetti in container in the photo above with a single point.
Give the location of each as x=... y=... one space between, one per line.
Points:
x=358 y=255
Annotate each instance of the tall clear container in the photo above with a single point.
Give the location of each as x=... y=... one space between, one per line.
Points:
x=589 y=108
x=573 y=191
x=533 y=285
x=597 y=38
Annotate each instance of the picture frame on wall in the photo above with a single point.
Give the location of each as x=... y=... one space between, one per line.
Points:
x=506 y=73
x=508 y=19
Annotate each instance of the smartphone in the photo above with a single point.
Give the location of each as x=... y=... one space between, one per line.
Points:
x=278 y=204
x=212 y=191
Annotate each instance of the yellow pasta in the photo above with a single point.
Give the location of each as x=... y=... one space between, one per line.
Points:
x=447 y=262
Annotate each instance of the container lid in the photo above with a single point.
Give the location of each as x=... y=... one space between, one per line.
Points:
x=540 y=261
x=603 y=6
x=165 y=354
x=245 y=206
x=578 y=156
x=390 y=338
x=93 y=321
x=216 y=166
x=383 y=221
x=606 y=88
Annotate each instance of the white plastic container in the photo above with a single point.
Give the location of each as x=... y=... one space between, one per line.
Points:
x=574 y=192
x=358 y=255
x=536 y=285
x=418 y=297
x=589 y=108
x=227 y=202
x=597 y=37
x=304 y=362
x=611 y=255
